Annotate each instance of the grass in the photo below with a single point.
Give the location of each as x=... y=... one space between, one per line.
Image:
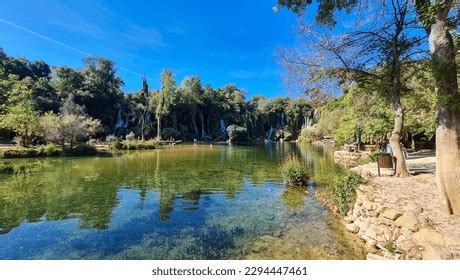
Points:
x=50 y=150
x=134 y=145
x=294 y=172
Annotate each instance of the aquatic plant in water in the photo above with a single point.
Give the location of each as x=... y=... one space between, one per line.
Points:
x=294 y=172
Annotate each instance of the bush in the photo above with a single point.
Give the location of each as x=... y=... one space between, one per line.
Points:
x=373 y=157
x=111 y=138
x=169 y=132
x=50 y=150
x=343 y=190
x=117 y=145
x=236 y=133
x=294 y=172
x=305 y=136
x=19 y=153
x=82 y=150
x=134 y=145
x=130 y=136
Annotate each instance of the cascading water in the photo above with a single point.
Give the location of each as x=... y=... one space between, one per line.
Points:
x=269 y=134
x=282 y=119
x=222 y=126
x=120 y=122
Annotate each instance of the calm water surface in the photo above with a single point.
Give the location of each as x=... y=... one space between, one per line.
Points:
x=181 y=202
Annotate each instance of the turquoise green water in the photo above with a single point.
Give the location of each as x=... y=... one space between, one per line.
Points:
x=180 y=202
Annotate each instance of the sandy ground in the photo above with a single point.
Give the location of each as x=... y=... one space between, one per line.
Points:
x=419 y=188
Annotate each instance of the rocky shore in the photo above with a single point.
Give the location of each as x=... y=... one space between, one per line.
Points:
x=400 y=218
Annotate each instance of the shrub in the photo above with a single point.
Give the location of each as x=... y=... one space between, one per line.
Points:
x=373 y=157
x=130 y=136
x=305 y=136
x=51 y=150
x=117 y=145
x=19 y=153
x=294 y=172
x=82 y=150
x=343 y=190
x=236 y=133
x=111 y=138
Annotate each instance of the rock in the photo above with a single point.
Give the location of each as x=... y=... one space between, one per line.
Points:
x=428 y=236
x=408 y=220
x=370 y=246
x=371 y=233
x=352 y=228
x=411 y=206
x=391 y=214
x=376 y=257
x=431 y=253
x=369 y=205
x=349 y=219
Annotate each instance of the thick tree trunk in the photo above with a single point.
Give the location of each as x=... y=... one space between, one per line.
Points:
x=395 y=141
x=448 y=113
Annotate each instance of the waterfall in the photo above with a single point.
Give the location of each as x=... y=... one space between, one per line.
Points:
x=120 y=122
x=222 y=126
x=282 y=119
x=269 y=134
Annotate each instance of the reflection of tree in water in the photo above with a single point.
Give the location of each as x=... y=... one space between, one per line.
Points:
x=27 y=198
x=86 y=188
x=294 y=197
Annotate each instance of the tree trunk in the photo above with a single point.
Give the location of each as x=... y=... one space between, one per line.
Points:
x=448 y=113
x=158 y=128
x=395 y=141
x=412 y=142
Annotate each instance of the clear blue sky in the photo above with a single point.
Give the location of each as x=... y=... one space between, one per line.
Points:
x=221 y=41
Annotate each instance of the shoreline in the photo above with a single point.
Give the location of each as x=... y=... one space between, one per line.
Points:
x=400 y=218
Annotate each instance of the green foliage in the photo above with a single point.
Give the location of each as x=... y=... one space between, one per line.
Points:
x=49 y=150
x=23 y=119
x=134 y=145
x=81 y=150
x=294 y=172
x=343 y=190
x=116 y=145
x=236 y=133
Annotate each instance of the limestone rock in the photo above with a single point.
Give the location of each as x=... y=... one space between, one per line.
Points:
x=369 y=205
x=431 y=253
x=408 y=220
x=411 y=206
x=429 y=236
x=391 y=214
x=352 y=228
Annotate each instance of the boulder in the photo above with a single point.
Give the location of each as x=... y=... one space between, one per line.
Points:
x=431 y=253
x=408 y=220
x=391 y=214
x=428 y=236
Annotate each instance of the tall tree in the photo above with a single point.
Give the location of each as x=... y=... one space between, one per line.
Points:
x=375 y=54
x=164 y=98
x=434 y=17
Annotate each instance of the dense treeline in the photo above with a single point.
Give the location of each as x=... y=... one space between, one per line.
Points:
x=67 y=106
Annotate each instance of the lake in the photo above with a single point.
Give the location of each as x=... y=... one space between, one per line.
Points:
x=176 y=202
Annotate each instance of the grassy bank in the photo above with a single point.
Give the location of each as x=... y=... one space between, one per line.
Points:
x=51 y=151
